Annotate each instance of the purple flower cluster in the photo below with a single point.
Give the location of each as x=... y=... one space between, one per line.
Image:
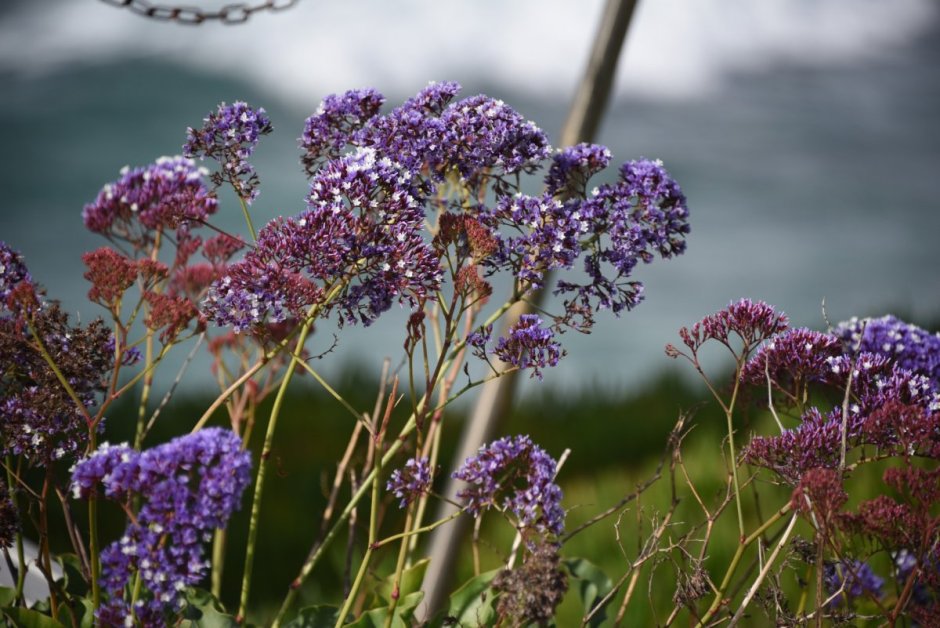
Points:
x=189 y=487
x=358 y=248
x=792 y=359
x=328 y=131
x=167 y=194
x=39 y=419
x=374 y=174
x=909 y=346
x=890 y=408
x=475 y=137
x=854 y=578
x=229 y=135
x=529 y=345
x=12 y=272
x=514 y=475
x=411 y=481
x=750 y=321
x=552 y=232
x=572 y=168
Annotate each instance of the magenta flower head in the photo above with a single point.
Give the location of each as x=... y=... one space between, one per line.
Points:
x=360 y=235
x=188 y=487
x=411 y=481
x=229 y=136
x=167 y=194
x=529 y=345
x=751 y=321
x=514 y=475
x=792 y=358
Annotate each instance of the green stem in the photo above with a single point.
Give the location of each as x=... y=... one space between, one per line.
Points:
x=417 y=531
x=20 y=554
x=734 y=459
x=395 y=594
x=93 y=559
x=340 y=522
x=262 y=465
x=247 y=214
x=373 y=531
x=736 y=559
x=218 y=562
x=145 y=392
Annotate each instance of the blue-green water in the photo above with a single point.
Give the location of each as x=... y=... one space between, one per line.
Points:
x=806 y=182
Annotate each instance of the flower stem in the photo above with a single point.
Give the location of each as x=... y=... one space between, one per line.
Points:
x=262 y=465
x=247 y=214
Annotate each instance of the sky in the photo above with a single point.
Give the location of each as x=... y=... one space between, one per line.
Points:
x=675 y=49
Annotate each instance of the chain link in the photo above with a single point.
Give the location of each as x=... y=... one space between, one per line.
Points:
x=237 y=13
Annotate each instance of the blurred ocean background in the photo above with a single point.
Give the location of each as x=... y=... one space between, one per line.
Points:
x=806 y=136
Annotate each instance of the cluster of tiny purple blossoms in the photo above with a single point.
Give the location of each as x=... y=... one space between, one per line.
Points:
x=527 y=345
x=39 y=418
x=514 y=475
x=168 y=194
x=361 y=245
x=878 y=376
x=189 y=487
x=410 y=481
x=851 y=579
x=229 y=136
x=889 y=368
x=357 y=248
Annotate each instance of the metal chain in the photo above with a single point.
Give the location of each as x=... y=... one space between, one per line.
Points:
x=237 y=13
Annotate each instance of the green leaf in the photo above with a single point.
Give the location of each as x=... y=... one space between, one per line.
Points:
x=7 y=596
x=593 y=585
x=403 y=612
x=72 y=579
x=471 y=604
x=314 y=617
x=411 y=580
x=26 y=618
x=86 y=617
x=204 y=611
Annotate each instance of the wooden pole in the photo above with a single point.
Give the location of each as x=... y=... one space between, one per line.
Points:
x=584 y=117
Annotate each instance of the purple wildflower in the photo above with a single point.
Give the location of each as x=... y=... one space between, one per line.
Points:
x=643 y=213
x=478 y=340
x=12 y=272
x=328 y=131
x=483 y=134
x=905 y=563
x=854 y=578
x=909 y=346
x=189 y=487
x=360 y=237
x=552 y=235
x=229 y=135
x=792 y=359
x=573 y=166
x=815 y=443
x=751 y=321
x=514 y=474
x=529 y=345
x=167 y=194
x=39 y=419
x=411 y=481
